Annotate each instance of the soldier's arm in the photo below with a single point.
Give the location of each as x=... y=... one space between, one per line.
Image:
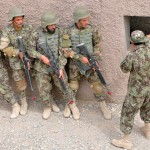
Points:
x=126 y=64
x=31 y=45
x=96 y=40
x=62 y=61
x=66 y=46
x=5 y=45
x=31 y=48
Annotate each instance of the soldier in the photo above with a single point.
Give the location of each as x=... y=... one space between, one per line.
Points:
x=15 y=29
x=137 y=62
x=49 y=35
x=77 y=33
x=5 y=89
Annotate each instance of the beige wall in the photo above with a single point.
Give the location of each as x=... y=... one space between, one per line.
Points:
x=107 y=15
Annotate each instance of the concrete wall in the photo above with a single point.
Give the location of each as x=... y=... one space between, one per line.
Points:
x=110 y=16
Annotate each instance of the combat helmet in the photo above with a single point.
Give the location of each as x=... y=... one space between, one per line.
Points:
x=138 y=36
x=15 y=12
x=80 y=13
x=48 y=18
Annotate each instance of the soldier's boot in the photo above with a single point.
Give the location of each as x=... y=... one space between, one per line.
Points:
x=146 y=130
x=75 y=111
x=125 y=142
x=106 y=112
x=67 y=111
x=15 y=110
x=24 y=106
x=47 y=112
x=55 y=108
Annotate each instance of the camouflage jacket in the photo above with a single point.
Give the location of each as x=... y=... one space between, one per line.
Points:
x=138 y=64
x=96 y=39
x=54 y=43
x=26 y=33
x=0 y=51
x=90 y=36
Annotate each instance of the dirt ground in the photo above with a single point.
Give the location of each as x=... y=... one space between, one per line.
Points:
x=91 y=132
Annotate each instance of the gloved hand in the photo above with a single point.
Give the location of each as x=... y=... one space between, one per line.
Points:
x=10 y=52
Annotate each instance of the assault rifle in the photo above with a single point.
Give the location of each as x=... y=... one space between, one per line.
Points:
x=25 y=61
x=93 y=63
x=53 y=65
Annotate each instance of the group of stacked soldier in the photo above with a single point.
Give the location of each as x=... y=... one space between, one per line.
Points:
x=50 y=46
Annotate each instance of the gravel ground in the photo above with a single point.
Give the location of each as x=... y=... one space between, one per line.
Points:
x=91 y=132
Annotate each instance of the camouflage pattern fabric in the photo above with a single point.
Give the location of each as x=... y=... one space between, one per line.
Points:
x=53 y=40
x=91 y=77
x=43 y=78
x=75 y=71
x=27 y=34
x=45 y=85
x=138 y=36
x=90 y=36
x=138 y=95
x=5 y=88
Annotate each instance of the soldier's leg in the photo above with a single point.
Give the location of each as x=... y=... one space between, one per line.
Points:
x=74 y=77
x=100 y=94
x=130 y=108
x=19 y=78
x=44 y=88
x=7 y=92
x=69 y=97
x=145 y=116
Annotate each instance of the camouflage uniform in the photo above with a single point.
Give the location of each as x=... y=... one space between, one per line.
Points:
x=15 y=62
x=138 y=95
x=50 y=36
x=44 y=79
x=92 y=39
x=10 y=34
x=5 y=88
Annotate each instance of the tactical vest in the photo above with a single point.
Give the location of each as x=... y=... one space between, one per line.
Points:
x=52 y=40
x=81 y=36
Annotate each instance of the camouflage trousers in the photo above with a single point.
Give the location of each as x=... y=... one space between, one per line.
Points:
x=5 y=88
x=18 y=75
x=130 y=108
x=45 y=85
x=91 y=77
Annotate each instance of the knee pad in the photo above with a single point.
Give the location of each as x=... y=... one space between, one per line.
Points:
x=2 y=91
x=74 y=85
x=21 y=85
x=97 y=88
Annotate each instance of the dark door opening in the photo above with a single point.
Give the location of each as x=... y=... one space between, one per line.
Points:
x=132 y=23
